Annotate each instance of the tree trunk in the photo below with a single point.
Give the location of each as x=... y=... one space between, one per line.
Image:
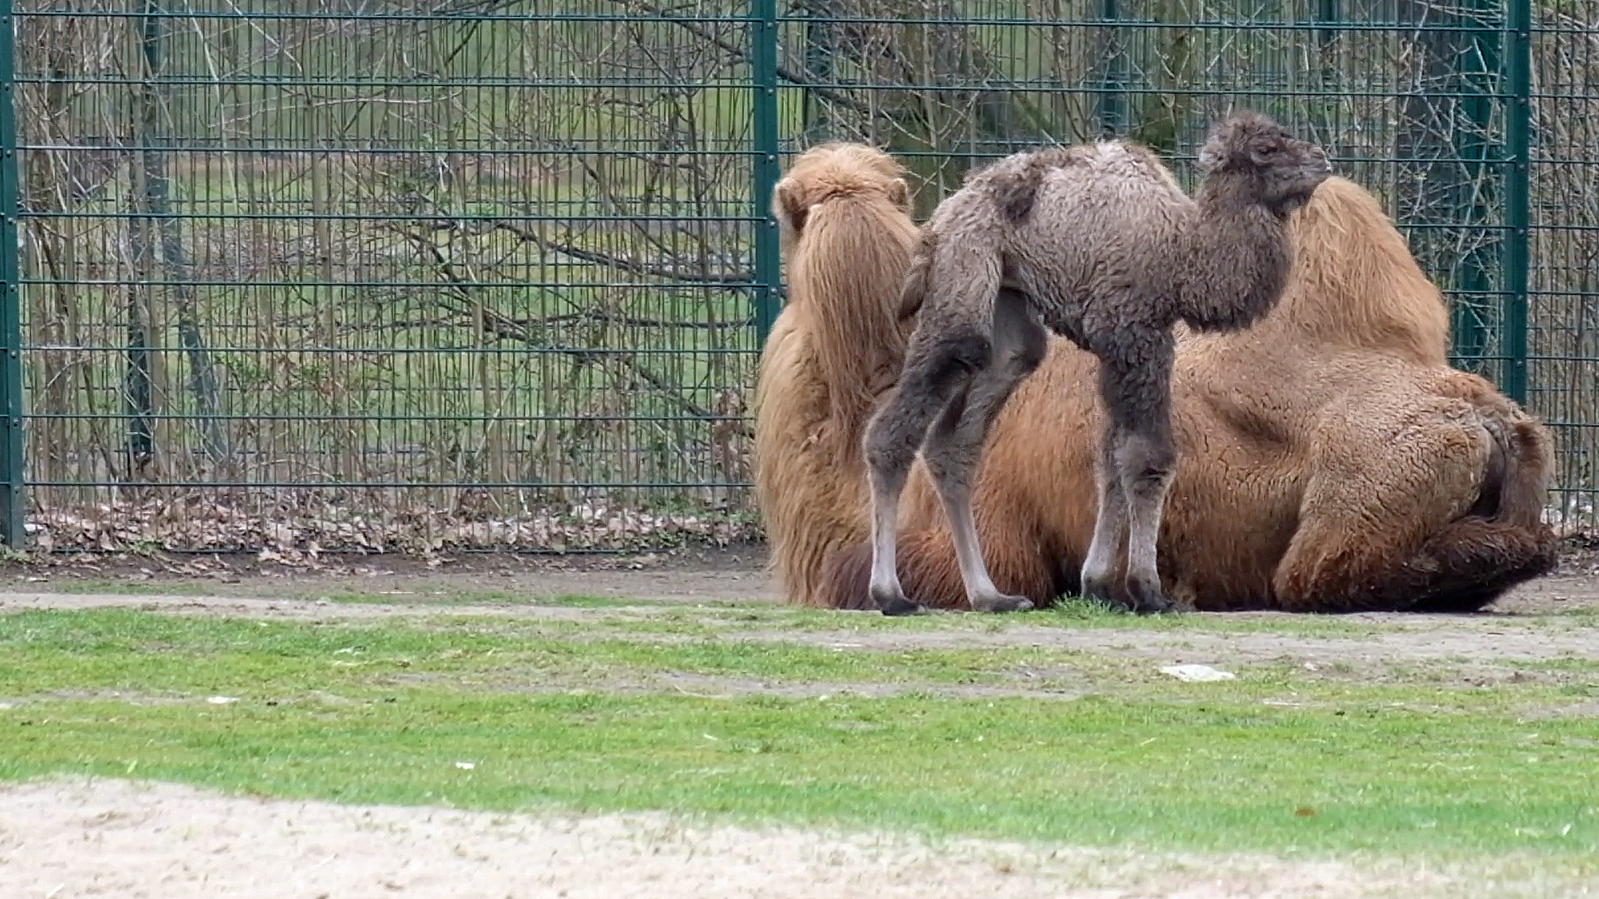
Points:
x=175 y=269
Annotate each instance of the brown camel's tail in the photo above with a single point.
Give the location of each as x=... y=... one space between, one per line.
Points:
x=1504 y=541
x=1528 y=456
x=930 y=575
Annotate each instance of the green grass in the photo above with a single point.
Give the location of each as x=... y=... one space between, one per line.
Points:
x=593 y=715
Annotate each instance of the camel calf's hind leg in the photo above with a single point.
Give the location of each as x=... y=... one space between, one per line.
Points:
x=938 y=367
x=956 y=442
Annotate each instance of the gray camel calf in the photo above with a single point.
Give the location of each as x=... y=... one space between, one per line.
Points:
x=1099 y=244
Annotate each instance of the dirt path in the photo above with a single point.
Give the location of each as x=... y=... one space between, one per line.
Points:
x=75 y=838
x=734 y=574
x=1531 y=623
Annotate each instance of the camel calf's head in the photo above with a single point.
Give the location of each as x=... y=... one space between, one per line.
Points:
x=1257 y=157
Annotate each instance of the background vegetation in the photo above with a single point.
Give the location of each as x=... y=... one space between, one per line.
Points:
x=408 y=273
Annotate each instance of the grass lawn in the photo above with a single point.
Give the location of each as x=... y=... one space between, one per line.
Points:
x=944 y=726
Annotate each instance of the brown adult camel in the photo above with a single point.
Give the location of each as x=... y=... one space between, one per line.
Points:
x=847 y=237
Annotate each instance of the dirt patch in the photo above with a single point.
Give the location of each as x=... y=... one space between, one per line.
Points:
x=1550 y=618
x=735 y=573
x=68 y=839
x=709 y=686
x=1390 y=638
x=1388 y=641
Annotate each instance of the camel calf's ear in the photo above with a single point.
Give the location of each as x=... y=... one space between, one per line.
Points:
x=789 y=207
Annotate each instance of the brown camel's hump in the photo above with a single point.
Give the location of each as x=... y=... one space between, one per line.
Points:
x=1354 y=282
x=836 y=346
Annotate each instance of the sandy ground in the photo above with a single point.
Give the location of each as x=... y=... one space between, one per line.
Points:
x=76 y=838
x=102 y=838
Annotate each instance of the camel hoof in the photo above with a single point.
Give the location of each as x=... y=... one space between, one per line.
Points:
x=898 y=605
x=1106 y=593
x=1144 y=601
x=1002 y=603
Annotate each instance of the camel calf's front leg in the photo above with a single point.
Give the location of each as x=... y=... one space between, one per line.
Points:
x=1133 y=474
x=1110 y=528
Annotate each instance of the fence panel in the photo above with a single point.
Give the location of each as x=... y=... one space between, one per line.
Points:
x=1412 y=102
x=1472 y=120
x=386 y=274
x=1563 y=269
x=398 y=274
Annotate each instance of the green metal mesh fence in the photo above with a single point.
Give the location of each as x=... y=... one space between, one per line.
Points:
x=400 y=274
x=385 y=274
x=1563 y=261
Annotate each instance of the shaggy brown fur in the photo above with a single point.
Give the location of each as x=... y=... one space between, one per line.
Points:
x=1329 y=459
x=847 y=239
x=1099 y=244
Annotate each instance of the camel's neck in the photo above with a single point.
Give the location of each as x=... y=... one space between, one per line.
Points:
x=849 y=281
x=1236 y=262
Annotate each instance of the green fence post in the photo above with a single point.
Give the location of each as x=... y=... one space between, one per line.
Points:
x=768 y=263
x=1518 y=121
x=12 y=499
x=1478 y=57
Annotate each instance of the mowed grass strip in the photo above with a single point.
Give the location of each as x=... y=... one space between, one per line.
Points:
x=478 y=713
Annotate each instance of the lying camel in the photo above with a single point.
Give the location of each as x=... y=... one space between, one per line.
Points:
x=1329 y=459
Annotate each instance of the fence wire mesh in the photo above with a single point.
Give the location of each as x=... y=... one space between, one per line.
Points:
x=397 y=274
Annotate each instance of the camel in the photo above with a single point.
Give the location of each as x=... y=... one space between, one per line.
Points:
x=1338 y=407
x=1329 y=458
x=1098 y=244
x=846 y=238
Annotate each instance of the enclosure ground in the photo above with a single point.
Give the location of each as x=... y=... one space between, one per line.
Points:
x=722 y=574
x=63 y=839
x=177 y=841
x=734 y=573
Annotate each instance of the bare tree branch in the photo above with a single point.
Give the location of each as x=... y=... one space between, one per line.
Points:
x=509 y=329
x=728 y=279
x=742 y=55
